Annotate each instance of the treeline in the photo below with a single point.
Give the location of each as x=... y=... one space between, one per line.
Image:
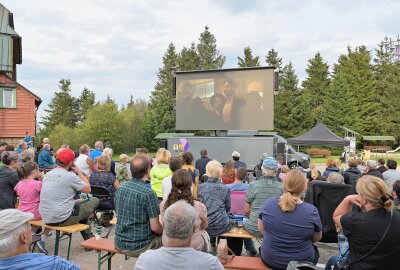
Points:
x=360 y=91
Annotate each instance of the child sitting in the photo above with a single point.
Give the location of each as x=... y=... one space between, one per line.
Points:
x=123 y=174
x=284 y=171
x=28 y=190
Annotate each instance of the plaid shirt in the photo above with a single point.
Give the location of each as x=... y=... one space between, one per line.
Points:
x=135 y=205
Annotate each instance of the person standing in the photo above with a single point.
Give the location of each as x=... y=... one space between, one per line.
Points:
x=236 y=159
x=201 y=163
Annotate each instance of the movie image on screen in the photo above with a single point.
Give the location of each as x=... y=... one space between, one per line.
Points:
x=237 y=99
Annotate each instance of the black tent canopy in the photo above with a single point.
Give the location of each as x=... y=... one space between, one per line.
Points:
x=319 y=135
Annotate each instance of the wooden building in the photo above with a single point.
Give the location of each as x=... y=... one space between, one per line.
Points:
x=18 y=105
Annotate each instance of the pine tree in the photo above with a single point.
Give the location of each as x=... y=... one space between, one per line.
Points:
x=387 y=81
x=160 y=115
x=272 y=59
x=316 y=85
x=248 y=59
x=188 y=59
x=62 y=107
x=85 y=103
x=210 y=57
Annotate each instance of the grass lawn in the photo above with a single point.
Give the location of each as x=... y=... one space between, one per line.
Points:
x=321 y=160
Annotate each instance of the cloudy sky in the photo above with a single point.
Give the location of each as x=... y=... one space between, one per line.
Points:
x=116 y=47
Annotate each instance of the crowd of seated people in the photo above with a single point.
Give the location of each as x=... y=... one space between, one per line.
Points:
x=274 y=210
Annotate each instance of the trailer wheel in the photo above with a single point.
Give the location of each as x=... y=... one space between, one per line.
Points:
x=293 y=165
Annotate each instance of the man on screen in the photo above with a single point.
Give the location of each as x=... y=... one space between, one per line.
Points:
x=233 y=106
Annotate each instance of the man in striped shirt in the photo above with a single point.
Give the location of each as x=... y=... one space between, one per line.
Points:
x=15 y=238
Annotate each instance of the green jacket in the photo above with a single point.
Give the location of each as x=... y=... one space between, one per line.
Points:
x=157 y=174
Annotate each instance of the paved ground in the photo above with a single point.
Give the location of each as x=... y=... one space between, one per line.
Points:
x=88 y=259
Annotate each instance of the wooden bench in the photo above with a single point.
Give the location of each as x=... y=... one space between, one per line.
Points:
x=318 y=152
x=100 y=245
x=66 y=230
x=246 y=263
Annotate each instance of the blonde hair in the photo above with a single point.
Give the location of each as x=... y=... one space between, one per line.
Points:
x=103 y=162
x=108 y=151
x=339 y=164
x=123 y=158
x=294 y=184
x=375 y=191
x=163 y=156
x=214 y=169
x=330 y=162
x=284 y=168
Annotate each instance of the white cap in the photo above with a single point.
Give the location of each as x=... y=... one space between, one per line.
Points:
x=11 y=219
x=235 y=154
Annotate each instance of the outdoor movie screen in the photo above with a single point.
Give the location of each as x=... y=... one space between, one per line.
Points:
x=230 y=99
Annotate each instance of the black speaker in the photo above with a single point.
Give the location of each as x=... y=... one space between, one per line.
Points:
x=280 y=148
x=276 y=81
x=163 y=144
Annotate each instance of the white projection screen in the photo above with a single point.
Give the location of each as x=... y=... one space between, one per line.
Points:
x=226 y=99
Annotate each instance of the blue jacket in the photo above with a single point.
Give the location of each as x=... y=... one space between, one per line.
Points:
x=45 y=160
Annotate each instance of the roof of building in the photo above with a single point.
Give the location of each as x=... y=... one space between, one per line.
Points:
x=378 y=138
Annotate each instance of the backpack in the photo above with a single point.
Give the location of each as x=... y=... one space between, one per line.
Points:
x=192 y=170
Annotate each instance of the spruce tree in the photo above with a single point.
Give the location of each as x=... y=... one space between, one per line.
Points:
x=188 y=59
x=62 y=107
x=248 y=59
x=272 y=59
x=210 y=57
x=85 y=103
x=316 y=85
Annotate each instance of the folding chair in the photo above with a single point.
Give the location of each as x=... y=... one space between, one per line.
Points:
x=102 y=193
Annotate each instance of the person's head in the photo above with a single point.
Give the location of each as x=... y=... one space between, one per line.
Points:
x=3 y=146
x=269 y=167
x=181 y=182
x=203 y=153
x=313 y=166
x=108 y=151
x=175 y=164
x=9 y=147
x=381 y=162
x=22 y=145
x=84 y=149
x=144 y=150
x=28 y=170
x=371 y=164
x=15 y=232
x=359 y=161
x=217 y=101
x=185 y=92
x=179 y=221
x=330 y=162
x=352 y=163
x=263 y=156
x=28 y=155
x=65 y=158
x=163 y=156
x=103 y=162
x=295 y=183
x=123 y=158
x=335 y=178
x=187 y=158
x=279 y=159
x=235 y=155
x=46 y=147
x=27 y=133
x=46 y=141
x=214 y=169
x=64 y=146
x=374 y=191
x=229 y=88
x=396 y=189
x=391 y=164
x=285 y=168
x=10 y=159
x=99 y=145
x=240 y=174
x=140 y=166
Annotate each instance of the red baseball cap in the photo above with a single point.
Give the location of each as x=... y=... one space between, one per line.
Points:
x=66 y=156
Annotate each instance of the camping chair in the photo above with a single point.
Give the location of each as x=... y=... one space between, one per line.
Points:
x=237 y=202
x=102 y=193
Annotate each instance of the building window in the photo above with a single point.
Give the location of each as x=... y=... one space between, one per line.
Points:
x=7 y=97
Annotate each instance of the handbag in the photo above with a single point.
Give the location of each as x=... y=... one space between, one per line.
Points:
x=299 y=265
x=222 y=252
x=347 y=264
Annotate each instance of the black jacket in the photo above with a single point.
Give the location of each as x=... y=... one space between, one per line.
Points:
x=8 y=180
x=351 y=176
x=375 y=172
x=201 y=164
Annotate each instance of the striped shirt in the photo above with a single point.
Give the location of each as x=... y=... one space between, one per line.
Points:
x=36 y=261
x=135 y=205
x=259 y=191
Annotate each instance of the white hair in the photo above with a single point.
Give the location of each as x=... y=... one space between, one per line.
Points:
x=108 y=151
x=179 y=220
x=10 y=243
x=268 y=172
x=335 y=178
x=214 y=169
x=371 y=164
x=98 y=144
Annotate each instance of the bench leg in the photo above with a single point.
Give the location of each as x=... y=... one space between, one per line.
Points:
x=57 y=243
x=69 y=245
x=99 y=260
x=109 y=260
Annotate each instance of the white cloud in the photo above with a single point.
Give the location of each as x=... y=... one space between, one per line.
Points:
x=116 y=47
